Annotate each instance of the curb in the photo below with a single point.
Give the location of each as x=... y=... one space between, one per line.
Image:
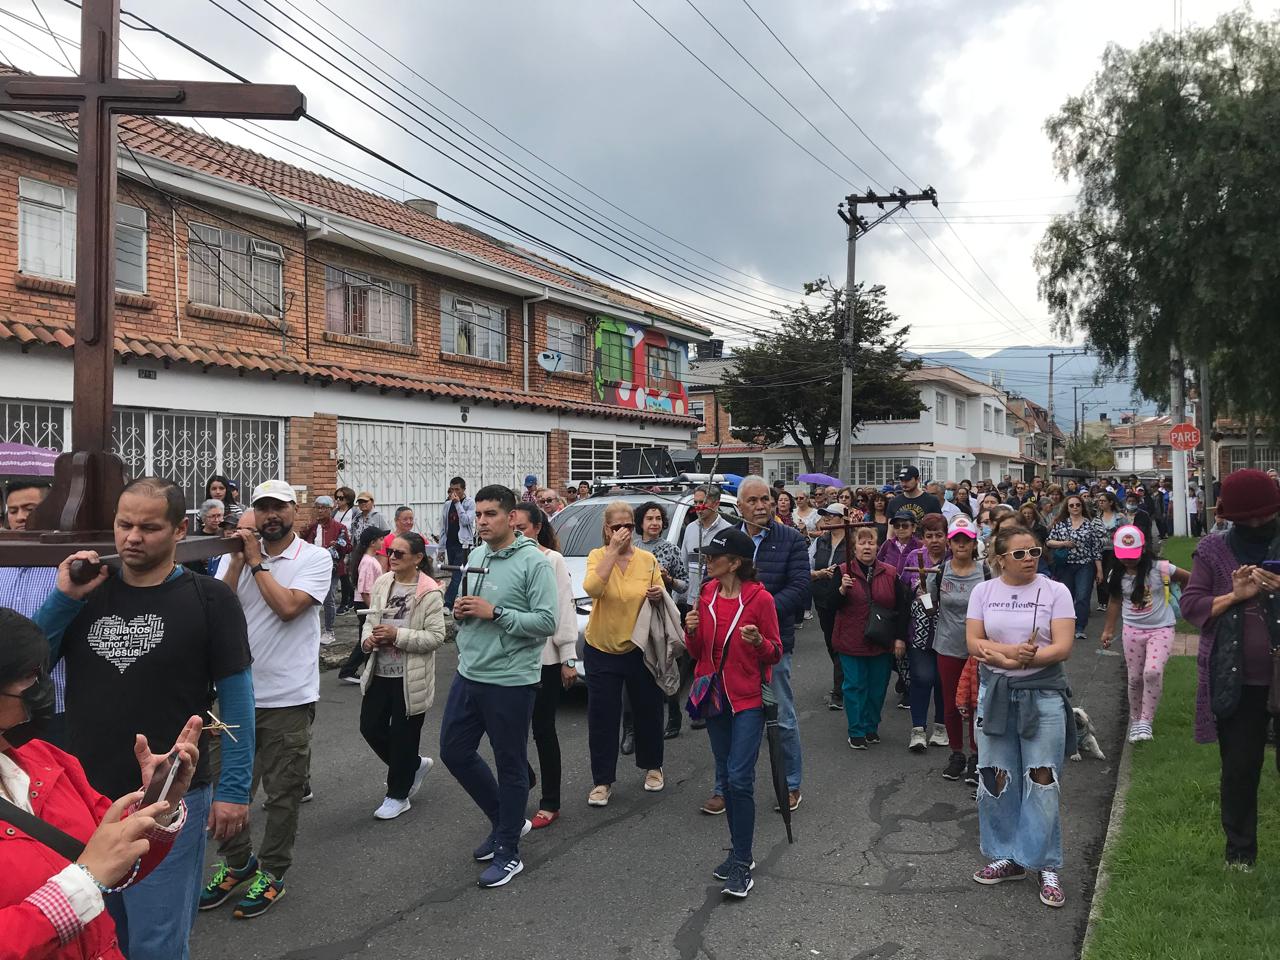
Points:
x=1103 y=880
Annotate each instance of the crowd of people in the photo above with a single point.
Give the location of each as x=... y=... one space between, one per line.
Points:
x=973 y=595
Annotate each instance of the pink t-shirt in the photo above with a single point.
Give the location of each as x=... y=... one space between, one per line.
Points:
x=1008 y=612
x=370 y=571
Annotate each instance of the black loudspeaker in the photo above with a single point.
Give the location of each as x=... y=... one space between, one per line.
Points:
x=645 y=462
x=686 y=461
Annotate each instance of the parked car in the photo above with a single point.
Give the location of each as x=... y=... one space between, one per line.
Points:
x=579 y=528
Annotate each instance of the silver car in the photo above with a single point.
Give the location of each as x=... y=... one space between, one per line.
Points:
x=579 y=527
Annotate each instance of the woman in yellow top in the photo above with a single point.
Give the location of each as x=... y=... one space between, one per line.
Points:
x=619 y=579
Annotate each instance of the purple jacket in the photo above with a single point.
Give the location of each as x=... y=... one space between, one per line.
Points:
x=895 y=554
x=1211 y=568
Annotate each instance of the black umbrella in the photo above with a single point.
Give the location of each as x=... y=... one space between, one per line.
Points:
x=777 y=758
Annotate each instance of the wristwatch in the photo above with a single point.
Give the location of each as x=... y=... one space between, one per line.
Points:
x=571 y=663
x=497 y=612
x=258 y=568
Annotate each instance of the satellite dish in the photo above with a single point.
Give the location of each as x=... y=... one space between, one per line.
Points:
x=551 y=361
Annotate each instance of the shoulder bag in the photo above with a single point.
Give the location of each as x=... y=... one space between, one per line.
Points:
x=706 y=695
x=879 y=631
x=59 y=841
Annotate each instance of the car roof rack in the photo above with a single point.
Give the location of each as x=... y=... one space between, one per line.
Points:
x=682 y=481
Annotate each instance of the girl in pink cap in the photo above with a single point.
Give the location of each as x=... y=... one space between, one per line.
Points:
x=1140 y=591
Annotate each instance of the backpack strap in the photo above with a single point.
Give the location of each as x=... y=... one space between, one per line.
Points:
x=60 y=842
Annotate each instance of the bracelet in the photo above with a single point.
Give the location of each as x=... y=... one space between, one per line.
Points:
x=133 y=875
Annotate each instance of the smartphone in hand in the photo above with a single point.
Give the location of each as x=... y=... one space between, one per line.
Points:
x=162 y=779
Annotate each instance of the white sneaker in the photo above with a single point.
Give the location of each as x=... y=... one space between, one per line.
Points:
x=808 y=614
x=1144 y=731
x=939 y=736
x=327 y=637
x=1133 y=732
x=424 y=767
x=391 y=809
x=918 y=743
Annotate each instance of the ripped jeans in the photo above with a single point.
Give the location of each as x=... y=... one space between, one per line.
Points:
x=1020 y=820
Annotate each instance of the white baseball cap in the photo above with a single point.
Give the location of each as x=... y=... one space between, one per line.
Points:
x=962 y=526
x=274 y=490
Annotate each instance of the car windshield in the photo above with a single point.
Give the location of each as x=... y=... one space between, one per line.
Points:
x=579 y=528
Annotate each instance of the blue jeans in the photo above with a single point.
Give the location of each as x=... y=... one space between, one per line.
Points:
x=735 y=741
x=331 y=601
x=788 y=730
x=154 y=916
x=473 y=710
x=1079 y=579
x=924 y=681
x=455 y=555
x=1020 y=820
x=865 y=681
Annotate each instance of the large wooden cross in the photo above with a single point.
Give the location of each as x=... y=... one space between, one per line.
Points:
x=88 y=479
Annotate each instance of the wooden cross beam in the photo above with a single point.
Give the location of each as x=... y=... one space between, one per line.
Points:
x=87 y=480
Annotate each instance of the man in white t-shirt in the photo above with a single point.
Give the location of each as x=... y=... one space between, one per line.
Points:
x=280 y=583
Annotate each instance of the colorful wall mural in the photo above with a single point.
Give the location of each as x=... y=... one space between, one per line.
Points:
x=639 y=368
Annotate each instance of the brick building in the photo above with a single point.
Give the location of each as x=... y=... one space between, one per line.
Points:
x=272 y=322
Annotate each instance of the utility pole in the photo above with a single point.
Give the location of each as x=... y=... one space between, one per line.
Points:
x=1178 y=409
x=857 y=226
x=1078 y=408
x=1061 y=353
x=1206 y=441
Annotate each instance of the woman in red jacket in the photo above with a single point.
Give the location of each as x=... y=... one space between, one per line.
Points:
x=733 y=635
x=866 y=658
x=51 y=907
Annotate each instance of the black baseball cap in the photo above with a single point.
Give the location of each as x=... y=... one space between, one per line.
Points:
x=909 y=473
x=904 y=514
x=731 y=542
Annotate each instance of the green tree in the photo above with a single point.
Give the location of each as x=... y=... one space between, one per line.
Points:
x=1173 y=239
x=785 y=388
x=1089 y=453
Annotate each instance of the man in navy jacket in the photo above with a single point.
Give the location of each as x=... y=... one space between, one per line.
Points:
x=782 y=565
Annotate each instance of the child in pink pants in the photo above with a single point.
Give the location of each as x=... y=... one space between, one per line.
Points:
x=1137 y=590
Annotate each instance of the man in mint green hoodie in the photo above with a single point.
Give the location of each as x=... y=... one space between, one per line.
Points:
x=507 y=611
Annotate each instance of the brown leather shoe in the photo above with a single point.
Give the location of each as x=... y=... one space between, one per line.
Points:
x=714 y=805
x=793 y=799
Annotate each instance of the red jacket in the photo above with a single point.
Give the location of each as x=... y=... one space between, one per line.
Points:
x=851 y=617
x=336 y=536
x=60 y=795
x=743 y=668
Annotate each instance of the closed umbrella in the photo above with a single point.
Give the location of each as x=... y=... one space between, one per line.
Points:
x=19 y=459
x=777 y=758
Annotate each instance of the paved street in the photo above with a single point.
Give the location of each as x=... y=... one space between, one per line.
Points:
x=880 y=867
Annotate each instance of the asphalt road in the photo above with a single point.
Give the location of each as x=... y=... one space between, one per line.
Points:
x=880 y=868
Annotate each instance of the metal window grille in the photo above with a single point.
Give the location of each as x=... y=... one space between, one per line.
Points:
x=362 y=305
x=569 y=338
x=234 y=271
x=473 y=329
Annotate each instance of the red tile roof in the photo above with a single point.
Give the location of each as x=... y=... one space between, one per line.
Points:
x=196 y=353
x=176 y=143
x=1147 y=432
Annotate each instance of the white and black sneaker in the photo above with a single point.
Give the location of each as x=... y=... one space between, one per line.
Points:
x=424 y=767
x=918 y=743
x=723 y=871
x=486 y=850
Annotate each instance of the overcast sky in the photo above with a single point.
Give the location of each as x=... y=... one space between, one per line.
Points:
x=956 y=92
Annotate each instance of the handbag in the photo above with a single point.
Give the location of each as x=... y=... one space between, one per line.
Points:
x=707 y=697
x=879 y=631
x=59 y=841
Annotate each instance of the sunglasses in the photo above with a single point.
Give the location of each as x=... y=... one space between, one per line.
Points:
x=621 y=526
x=548 y=501
x=395 y=554
x=340 y=496
x=901 y=526
x=1032 y=552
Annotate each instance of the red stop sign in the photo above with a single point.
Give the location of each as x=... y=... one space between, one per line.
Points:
x=1185 y=436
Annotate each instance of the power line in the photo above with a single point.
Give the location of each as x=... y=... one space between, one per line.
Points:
x=540 y=159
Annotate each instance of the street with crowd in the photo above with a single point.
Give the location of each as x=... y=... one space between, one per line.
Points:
x=956 y=622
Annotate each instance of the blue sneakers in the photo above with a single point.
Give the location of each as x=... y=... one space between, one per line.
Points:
x=722 y=872
x=739 y=883
x=505 y=865
x=485 y=850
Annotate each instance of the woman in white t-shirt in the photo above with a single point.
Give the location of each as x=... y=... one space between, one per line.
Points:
x=1019 y=628
x=1137 y=591
x=404 y=628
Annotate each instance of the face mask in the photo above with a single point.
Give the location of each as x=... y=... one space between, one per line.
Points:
x=949 y=494
x=1263 y=533
x=38 y=701
x=986 y=529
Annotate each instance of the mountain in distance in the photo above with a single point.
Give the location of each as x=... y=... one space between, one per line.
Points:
x=1025 y=371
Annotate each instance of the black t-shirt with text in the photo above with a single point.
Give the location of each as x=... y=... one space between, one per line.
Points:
x=923 y=504
x=144 y=660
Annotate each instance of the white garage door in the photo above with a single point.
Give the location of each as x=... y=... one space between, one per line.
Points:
x=409 y=464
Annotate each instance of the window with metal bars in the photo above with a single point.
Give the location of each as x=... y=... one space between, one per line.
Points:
x=235 y=271
x=362 y=305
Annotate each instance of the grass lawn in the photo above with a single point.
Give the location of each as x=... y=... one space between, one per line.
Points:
x=1177 y=550
x=1170 y=896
